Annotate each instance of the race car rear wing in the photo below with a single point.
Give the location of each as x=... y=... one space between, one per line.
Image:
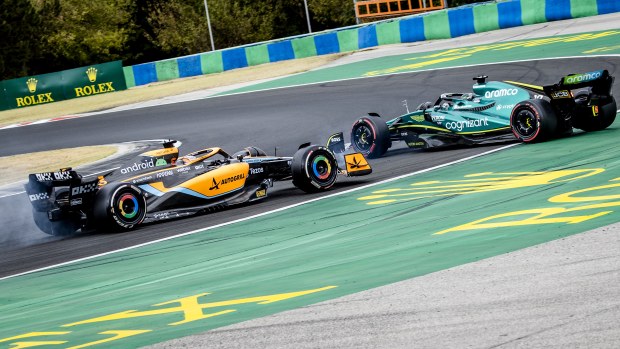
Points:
x=600 y=81
x=40 y=188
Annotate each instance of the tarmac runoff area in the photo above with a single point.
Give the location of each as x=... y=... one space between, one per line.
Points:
x=561 y=294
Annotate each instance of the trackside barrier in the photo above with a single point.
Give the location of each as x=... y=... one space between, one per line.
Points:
x=67 y=84
x=442 y=24
x=4 y=103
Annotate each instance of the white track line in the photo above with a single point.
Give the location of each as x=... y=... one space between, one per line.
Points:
x=266 y=213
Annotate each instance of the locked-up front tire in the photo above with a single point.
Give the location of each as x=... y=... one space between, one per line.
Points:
x=370 y=136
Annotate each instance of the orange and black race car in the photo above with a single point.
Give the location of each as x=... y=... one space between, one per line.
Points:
x=159 y=185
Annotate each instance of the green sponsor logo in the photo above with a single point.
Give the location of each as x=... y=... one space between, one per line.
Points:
x=579 y=78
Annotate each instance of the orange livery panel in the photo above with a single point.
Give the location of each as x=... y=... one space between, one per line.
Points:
x=219 y=181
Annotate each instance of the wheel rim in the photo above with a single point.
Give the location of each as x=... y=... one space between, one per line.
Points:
x=363 y=138
x=322 y=169
x=128 y=207
x=525 y=123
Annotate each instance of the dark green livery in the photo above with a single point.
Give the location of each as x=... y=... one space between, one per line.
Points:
x=494 y=112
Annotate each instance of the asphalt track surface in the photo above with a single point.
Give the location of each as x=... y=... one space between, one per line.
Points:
x=282 y=118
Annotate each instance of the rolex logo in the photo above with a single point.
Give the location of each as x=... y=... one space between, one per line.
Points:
x=92 y=74
x=32 y=85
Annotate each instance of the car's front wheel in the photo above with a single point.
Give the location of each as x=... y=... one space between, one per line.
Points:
x=370 y=136
x=314 y=169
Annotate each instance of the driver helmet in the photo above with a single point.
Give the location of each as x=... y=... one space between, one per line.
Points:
x=184 y=160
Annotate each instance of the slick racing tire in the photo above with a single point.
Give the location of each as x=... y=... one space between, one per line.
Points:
x=314 y=169
x=370 y=136
x=533 y=120
x=65 y=227
x=119 y=207
x=585 y=118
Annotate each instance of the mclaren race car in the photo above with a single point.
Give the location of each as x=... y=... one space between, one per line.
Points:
x=495 y=111
x=158 y=185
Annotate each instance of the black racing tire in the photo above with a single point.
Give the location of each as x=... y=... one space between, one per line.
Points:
x=119 y=207
x=314 y=169
x=586 y=120
x=65 y=227
x=370 y=136
x=533 y=120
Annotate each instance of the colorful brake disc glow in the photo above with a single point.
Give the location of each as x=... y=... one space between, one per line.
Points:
x=315 y=165
x=133 y=206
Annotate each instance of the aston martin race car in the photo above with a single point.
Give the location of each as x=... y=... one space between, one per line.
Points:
x=495 y=112
x=159 y=185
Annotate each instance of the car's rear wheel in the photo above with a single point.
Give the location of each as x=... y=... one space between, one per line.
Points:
x=64 y=227
x=533 y=120
x=314 y=169
x=370 y=136
x=119 y=207
x=594 y=117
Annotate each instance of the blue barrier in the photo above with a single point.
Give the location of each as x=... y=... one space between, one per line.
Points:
x=556 y=10
x=189 y=66
x=607 y=6
x=326 y=44
x=412 y=30
x=281 y=51
x=509 y=14
x=144 y=73
x=461 y=21
x=234 y=58
x=367 y=37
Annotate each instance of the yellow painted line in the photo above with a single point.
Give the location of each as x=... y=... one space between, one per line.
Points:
x=431 y=127
x=535 y=87
x=495 y=129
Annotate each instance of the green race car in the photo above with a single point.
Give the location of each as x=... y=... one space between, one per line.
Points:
x=495 y=112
